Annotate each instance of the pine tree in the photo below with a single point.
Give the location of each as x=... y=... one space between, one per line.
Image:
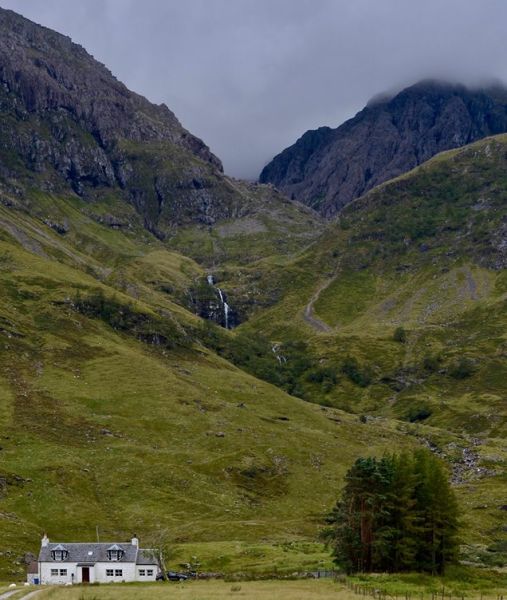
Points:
x=398 y=513
x=437 y=510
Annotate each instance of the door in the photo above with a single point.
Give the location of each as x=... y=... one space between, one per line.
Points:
x=85 y=574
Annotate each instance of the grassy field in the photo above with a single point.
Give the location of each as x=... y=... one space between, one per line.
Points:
x=458 y=582
x=206 y=590
x=414 y=586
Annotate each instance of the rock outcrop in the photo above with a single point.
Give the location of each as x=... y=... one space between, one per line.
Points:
x=328 y=168
x=68 y=125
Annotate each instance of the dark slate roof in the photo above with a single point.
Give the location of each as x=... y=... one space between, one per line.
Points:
x=115 y=547
x=81 y=553
x=146 y=557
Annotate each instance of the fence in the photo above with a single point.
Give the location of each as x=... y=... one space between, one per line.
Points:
x=443 y=594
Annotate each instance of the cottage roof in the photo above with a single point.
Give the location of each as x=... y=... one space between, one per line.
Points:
x=146 y=557
x=92 y=553
x=60 y=548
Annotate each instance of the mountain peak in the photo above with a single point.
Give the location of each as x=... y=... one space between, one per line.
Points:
x=49 y=73
x=394 y=133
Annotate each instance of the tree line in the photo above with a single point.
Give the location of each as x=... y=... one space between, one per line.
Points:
x=396 y=513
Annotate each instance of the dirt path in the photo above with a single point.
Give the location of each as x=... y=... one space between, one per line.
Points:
x=31 y=594
x=308 y=313
x=17 y=591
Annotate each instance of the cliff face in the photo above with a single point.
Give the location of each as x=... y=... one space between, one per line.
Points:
x=328 y=168
x=66 y=122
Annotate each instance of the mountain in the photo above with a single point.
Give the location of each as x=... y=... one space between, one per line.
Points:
x=69 y=126
x=327 y=168
x=113 y=410
x=123 y=406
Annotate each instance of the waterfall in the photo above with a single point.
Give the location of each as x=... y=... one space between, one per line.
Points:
x=276 y=351
x=226 y=315
x=225 y=306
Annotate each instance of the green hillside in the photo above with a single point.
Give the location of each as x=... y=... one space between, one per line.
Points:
x=121 y=408
x=202 y=447
x=402 y=305
x=114 y=414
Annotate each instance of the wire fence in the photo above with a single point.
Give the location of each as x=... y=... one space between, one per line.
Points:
x=444 y=594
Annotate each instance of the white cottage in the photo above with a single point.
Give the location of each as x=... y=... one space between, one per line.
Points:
x=62 y=563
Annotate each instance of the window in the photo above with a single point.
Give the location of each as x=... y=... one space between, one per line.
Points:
x=142 y=572
x=118 y=572
x=115 y=552
x=54 y=572
x=149 y=572
x=59 y=553
x=109 y=572
x=63 y=572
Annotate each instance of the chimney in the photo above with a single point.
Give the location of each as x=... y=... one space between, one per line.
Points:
x=45 y=541
x=135 y=540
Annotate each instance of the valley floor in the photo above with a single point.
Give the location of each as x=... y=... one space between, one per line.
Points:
x=205 y=590
x=309 y=589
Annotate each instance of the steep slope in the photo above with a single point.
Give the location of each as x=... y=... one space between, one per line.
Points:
x=69 y=127
x=112 y=408
x=402 y=305
x=327 y=168
x=113 y=413
x=425 y=251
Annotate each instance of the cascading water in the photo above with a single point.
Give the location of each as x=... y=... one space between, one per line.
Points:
x=276 y=351
x=225 y=306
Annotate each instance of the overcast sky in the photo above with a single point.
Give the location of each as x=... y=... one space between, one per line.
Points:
x=251 y=76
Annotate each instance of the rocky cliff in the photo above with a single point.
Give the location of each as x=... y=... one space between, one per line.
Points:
x=69 y=125
x=327 y=168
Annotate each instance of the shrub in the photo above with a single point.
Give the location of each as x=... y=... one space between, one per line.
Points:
x=400 y=335
x=146 y=327
x=359 y=375
x=462 y=368
x=432 y=363
x=418 y=413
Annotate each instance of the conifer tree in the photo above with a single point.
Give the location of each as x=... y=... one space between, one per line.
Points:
x=397 y=513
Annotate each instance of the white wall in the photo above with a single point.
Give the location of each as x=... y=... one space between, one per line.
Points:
x=46 y=577
x=146 y=568
x=130 y=572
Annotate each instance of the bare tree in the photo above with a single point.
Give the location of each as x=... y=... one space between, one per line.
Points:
x=161 y=548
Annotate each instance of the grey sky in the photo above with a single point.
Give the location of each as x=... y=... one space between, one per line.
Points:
x=250 y=76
